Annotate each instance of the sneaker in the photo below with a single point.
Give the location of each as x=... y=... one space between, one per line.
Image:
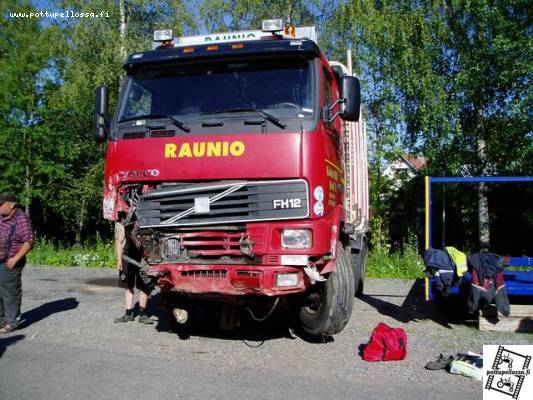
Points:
x=7 y=328
x=124 y=318
x=145 y=319
x=440 y=363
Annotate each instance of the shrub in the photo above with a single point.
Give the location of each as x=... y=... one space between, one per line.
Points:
x=99 y=255
x=401 y=264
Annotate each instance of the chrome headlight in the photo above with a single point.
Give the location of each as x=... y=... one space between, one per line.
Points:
x=296 y=238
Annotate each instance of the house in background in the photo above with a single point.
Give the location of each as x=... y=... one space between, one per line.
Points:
x=406 y=167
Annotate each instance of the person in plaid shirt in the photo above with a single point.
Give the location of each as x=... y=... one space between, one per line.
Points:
x=16 y=240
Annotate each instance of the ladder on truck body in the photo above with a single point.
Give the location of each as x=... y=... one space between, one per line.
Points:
x=355 y=166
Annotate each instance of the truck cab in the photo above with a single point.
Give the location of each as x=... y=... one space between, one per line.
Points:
x=238 y=165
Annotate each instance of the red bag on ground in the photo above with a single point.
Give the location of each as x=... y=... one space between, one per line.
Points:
x=386 y=344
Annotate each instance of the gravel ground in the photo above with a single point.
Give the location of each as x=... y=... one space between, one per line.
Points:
x=69 y=348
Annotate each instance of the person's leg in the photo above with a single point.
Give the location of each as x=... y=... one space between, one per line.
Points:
x=128 y=303
x=3 y=320
x=11 y=294
x=144 y=294
x=143 y=301
x=128 y=298
x=129 y=284
x=17 y=303
x=144 y=318
x=2 y=313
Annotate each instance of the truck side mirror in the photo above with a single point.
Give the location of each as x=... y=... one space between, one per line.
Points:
x=101 y=119
x=350 y=91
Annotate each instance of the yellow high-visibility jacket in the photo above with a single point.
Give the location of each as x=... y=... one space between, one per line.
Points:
x=458 y=258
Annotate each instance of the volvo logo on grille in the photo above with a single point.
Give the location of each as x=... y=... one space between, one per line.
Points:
x=201 y=205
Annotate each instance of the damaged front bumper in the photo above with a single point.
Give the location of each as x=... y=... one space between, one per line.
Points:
x=230 y=280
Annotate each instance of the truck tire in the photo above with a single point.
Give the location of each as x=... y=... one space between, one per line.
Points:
x=329 y=305
x=358 y=263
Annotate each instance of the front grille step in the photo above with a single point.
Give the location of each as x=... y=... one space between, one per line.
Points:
x=206 y=274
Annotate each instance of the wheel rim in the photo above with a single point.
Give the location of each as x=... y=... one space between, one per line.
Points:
x=313 y=303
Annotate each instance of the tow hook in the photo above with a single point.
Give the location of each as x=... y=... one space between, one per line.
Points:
x=245 y=245
x=181 y=315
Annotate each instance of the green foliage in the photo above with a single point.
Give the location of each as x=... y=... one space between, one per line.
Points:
x=437 y=77
x=48 y=73
x=442 y=79
x=406 y=263
x=26 y=145
x=99 y=255
x=234 y=15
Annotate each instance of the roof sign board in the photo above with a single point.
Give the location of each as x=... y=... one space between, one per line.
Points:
x=308 y=32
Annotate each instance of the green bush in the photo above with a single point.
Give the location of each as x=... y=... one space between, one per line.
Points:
x=380 y=264
x=406 y=264
x=99 y=255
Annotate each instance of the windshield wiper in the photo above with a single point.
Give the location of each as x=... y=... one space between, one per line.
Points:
x=268 y=116
x=174 y=120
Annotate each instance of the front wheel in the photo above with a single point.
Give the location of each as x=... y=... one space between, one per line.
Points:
x=329 y=306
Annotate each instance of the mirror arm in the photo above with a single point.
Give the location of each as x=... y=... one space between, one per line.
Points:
x=342 y=103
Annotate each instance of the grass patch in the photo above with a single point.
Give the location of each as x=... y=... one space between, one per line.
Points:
x=99 y=255
x=406 y=265
x=380 y=264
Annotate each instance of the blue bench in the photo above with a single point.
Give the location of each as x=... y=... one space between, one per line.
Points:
x=517 y=282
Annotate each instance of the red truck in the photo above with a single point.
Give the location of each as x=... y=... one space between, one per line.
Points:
x=238 y=162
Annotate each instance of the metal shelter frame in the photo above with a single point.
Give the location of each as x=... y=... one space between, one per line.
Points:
x=518 y=282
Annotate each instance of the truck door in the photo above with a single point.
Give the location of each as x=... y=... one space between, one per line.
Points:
x=333 y=145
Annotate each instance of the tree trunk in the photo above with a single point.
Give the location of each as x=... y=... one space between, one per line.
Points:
x=81 y=223
x=379 y=157
x=483 y=201
x=27 y=177
x=27 y=189
x=122 y=29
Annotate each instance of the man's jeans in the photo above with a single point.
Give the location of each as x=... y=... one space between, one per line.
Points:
x=10 y=294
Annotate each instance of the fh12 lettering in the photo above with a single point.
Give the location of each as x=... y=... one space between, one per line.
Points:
x=287 y=203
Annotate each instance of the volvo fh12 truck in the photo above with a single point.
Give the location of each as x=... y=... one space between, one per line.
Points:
x=237 y=163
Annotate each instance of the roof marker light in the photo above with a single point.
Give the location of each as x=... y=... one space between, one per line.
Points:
x=211 y=48
x=290 y=30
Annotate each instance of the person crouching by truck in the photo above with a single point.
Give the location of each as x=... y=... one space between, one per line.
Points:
x=16 y=240
x=129 y=274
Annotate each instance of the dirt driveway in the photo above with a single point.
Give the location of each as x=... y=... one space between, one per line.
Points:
x=69 y=348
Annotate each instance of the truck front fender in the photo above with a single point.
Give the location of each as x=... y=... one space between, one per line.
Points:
x=334 y=238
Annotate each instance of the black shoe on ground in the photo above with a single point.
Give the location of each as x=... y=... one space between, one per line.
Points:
x=124 y=318
x=440 y=363
x=145 y=319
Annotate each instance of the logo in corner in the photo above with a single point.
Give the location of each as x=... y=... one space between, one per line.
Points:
x=508 y=375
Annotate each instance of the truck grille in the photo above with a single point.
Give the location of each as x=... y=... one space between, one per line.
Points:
x=194 y=245
x=222 y=203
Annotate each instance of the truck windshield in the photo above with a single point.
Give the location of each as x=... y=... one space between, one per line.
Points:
x=283 y=87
